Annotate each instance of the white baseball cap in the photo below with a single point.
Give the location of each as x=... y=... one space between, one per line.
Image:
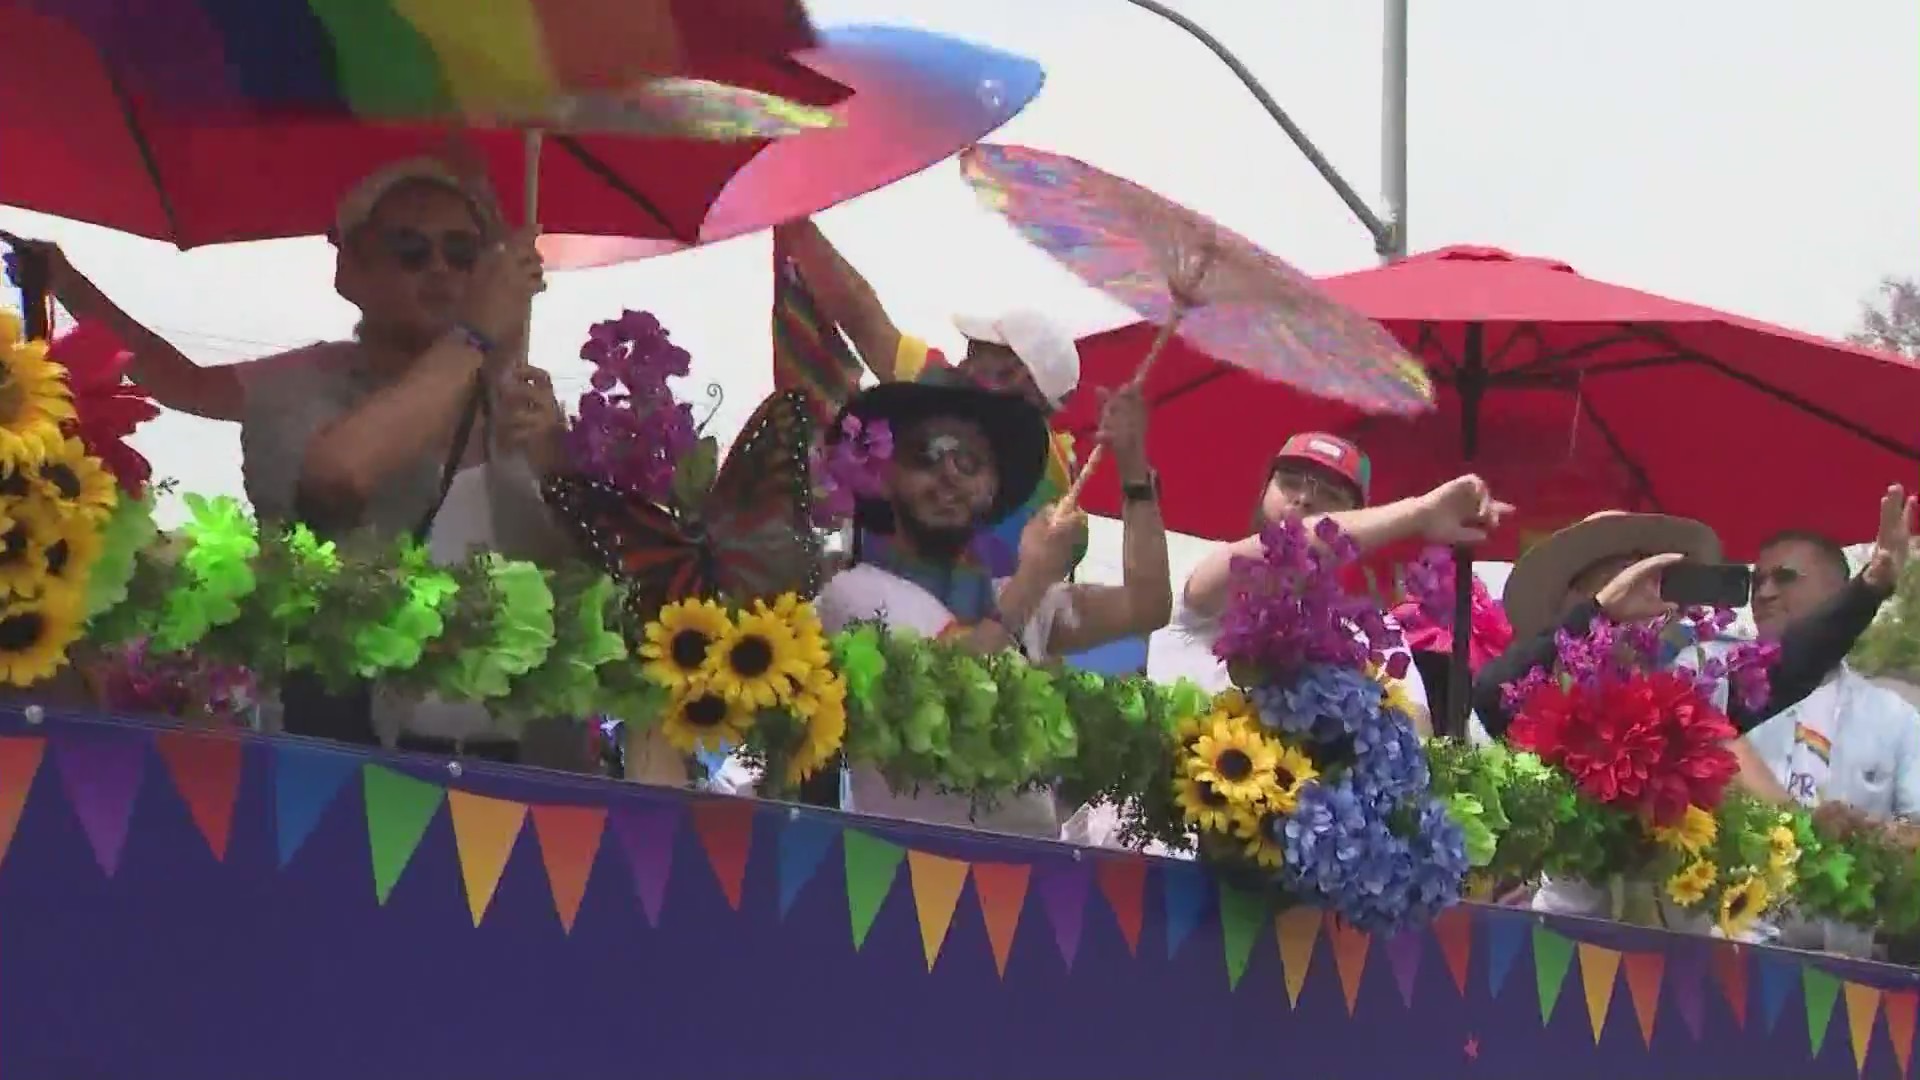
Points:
x=357 y=206
x=1051 y=355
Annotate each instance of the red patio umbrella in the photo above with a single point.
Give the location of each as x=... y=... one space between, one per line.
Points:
x=1750 y=427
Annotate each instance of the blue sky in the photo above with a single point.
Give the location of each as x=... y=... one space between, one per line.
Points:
x=1760 y=156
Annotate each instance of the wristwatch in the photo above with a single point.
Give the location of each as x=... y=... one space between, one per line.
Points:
x=1145 y=492
x=474 y=339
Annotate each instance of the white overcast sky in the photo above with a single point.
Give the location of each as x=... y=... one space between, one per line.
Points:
x=1761 y=156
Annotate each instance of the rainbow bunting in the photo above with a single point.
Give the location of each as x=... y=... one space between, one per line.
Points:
x=809 y=352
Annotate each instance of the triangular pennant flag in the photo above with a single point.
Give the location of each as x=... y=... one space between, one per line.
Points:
x=1599 y=969
x=1863 y=1004
x=804 y=842
x=725 y=829
x=1001 y=889
x=1901 y=1007
x=206 y=773
x=1184 y=887
x=1404 y=951
x=1689 y=996
x=484 y=831
x=1063 y=892
x=1779 y=973
x=399 y=809
x=1349 y=957
x=305 y=781
x=1453 y=929
x=646 y=837
x=937 y=884
x=871 y=866
x=1504 y=938
x=1297 y=928
x=1552 y=955
x=1241 y=914
x=102 y=778
x=19 y=764
x=1643 y=986
x=1730 y=971
x=1821 y=991
x=569 y=845
x=1124 y=883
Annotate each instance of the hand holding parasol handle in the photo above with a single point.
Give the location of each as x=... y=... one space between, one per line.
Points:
x=1064 y=509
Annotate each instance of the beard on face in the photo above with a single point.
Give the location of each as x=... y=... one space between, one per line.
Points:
x=940 y=543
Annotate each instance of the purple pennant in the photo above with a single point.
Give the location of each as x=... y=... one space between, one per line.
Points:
x=1686 y=972
x=1505 y=934
x=1404 y=953
x=1186 y=887
x=1063 y=889
x=102 y=777
x=647 y=836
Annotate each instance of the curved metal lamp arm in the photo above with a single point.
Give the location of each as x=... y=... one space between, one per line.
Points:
x=1384 y=239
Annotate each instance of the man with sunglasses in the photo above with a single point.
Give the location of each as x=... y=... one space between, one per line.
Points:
x=965 y=457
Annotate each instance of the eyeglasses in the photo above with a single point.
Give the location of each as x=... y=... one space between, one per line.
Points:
x=1324 y=495
x=930 y=453
x=412 y=250
x=1779 y=577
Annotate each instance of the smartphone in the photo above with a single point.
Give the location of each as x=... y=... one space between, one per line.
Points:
x=1697 y=584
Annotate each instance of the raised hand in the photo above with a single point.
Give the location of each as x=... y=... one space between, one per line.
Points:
x=1461 y=511
x=1893 y=542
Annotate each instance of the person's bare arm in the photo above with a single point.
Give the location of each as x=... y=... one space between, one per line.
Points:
x=845 y=296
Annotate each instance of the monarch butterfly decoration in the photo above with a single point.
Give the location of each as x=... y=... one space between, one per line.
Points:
x=750 y=535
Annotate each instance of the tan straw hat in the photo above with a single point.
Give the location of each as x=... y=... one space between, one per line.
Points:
x=1540 y=578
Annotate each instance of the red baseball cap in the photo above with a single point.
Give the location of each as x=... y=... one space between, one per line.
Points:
x=1333 y=453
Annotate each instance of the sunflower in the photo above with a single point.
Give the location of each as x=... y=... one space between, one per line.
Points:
x=1782 y=849
x=1237 y=762
x=71 y=553
x=757 y=662
x=1689 y=885
x=33 y=526
x=677 y=643
x=1741 y=904
x=1695 y=830
x=1203 y=807
x=76 y=478
x=821 y=704
x=803 y=621
x=1292 y=771
x=34 y=397
x=698 y=717
x=34 y=636
x=1252 y=827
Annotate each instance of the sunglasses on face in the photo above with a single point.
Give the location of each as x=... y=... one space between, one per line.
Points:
x=931 y=453
x=412 y=250
x=1779 y=577
x=1321 y=494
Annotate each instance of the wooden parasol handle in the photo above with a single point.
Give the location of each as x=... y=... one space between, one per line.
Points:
x=1065 y=508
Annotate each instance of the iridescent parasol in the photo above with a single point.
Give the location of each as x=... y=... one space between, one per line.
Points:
x=668 y=108
x=1183 y=271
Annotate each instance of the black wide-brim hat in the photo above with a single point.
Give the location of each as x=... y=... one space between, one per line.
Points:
x=1015 y=429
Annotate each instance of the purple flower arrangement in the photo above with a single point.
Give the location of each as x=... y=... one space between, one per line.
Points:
x=138 y=679
x=849 y=468
x=1347 y=822
x=1610 y=652
x=631 y=431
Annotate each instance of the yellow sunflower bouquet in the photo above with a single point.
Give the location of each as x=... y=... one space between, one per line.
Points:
x=54 y=500
x=756 y=678
x=1234 y=776
x=1729 y=866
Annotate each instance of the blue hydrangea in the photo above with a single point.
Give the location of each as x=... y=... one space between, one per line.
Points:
x=1342 y=851
x=1389 y=764
x=1324 y=705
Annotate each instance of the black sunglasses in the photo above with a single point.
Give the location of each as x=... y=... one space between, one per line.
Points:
x=412 y=250
x=931 y=453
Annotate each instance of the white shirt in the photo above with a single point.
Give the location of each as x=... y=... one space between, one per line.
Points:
x=866 y=592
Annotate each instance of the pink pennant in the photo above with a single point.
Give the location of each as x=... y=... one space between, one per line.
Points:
x=646 y=836
x=1063 y=890
x=1404 y=951
x=102 y=777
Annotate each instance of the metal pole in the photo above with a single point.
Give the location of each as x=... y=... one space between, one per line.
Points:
x=1383 y=232
x=1393 y=129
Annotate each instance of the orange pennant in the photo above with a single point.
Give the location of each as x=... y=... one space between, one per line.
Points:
x=1901 y=1006
x=1599 y=969
x=1453 y=928
x=19 y=764
x=725 y=828
x=1730 y=971
x=1863 y=1005
x=1297 y=928
x=1124 y=882
x=206 y=772
x=937 y=884
x=484 y=832
x=1349 y=957
x=1001 y=889
x=1643 y=986
x=569 y=842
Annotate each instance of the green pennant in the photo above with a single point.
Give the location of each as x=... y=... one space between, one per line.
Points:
x=871 y=866
x=1552 y=955
x=1241 y=914
x=399 y=808
x=1820 y=989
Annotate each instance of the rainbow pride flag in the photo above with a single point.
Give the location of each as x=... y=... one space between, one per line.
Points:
x=809 y=352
